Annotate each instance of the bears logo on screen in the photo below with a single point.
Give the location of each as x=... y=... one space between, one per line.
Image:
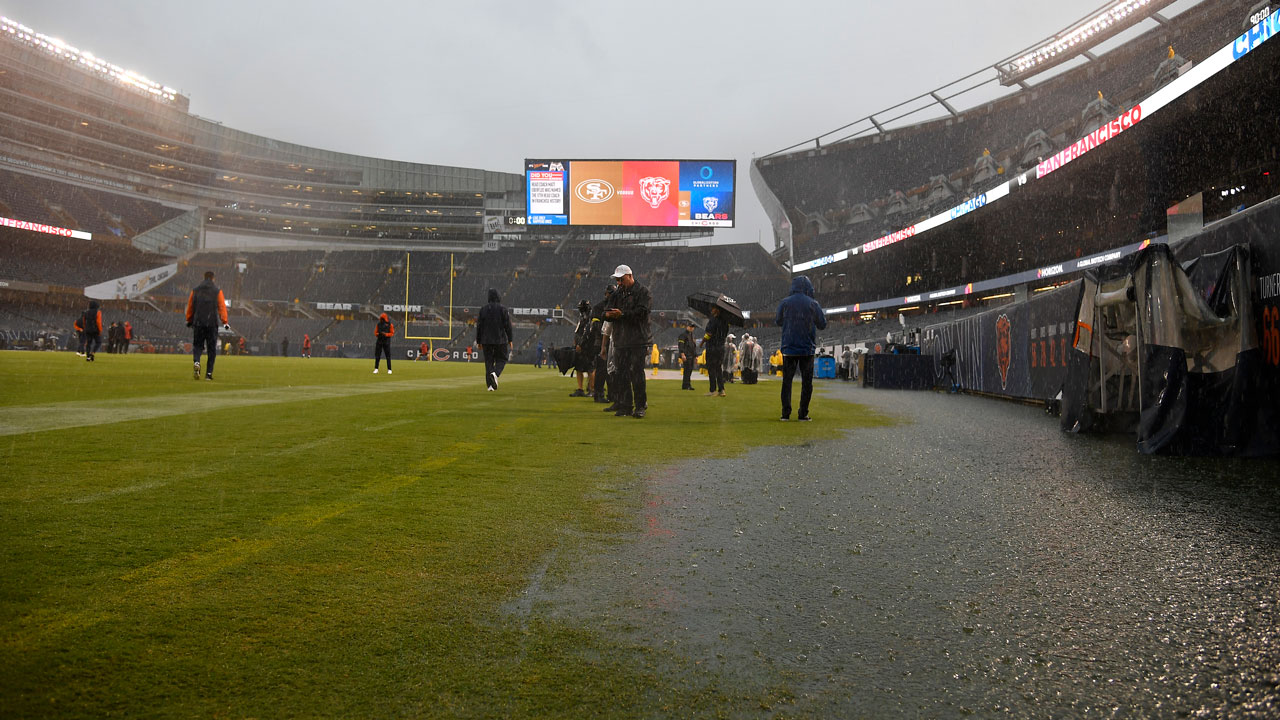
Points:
x=654 y=190
x=1004 y=349
x=710 y=203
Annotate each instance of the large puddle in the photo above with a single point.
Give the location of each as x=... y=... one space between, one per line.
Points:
x=975 y=560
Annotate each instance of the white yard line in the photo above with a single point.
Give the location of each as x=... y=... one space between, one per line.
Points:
x=60 y=416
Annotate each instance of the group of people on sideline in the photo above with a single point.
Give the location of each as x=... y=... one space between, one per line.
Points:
x=613 y=343
x=613 y=336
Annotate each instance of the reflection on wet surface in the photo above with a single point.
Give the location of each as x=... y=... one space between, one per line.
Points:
x=974 y=560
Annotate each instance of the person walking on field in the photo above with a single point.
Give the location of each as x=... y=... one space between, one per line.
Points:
x=128 y=336
x=382 y=333
x=205 y=307
x=494 y=336
x=91 y=321
x=632 y=336
x=800 y=317
x=306 y=345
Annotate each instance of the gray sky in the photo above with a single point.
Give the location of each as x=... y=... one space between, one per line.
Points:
x=486 y=84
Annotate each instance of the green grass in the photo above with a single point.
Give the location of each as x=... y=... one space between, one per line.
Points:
x=293 y=540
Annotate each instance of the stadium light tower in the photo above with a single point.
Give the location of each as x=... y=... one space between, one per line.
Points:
x=18 y=32
x=1095 y=28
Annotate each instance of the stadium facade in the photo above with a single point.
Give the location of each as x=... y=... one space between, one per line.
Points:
x=304 y=240
x=64 y=119
x=925 y=203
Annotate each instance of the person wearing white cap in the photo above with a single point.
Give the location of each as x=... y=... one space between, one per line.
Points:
x=730 y=357
x=632 y=337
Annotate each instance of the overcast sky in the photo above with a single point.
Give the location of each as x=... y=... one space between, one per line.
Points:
x=486 y=84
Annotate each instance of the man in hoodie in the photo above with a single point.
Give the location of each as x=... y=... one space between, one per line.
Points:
x=494 y=336
x=382 y=334
x=800 y=317
x=205 y=307
x=91 y=321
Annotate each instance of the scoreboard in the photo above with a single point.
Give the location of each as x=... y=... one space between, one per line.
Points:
x=630 y=193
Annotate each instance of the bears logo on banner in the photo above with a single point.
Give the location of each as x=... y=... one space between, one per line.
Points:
x=1004 y=348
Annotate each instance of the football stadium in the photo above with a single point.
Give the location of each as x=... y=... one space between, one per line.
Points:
x=1039 y=479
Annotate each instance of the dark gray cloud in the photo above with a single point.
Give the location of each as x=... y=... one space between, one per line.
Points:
x=485 y=84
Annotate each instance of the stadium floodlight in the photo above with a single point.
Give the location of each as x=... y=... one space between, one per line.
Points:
x=1095 y=28
x=18 y=32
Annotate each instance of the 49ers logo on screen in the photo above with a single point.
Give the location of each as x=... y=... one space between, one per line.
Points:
x=594 y=191
x=1004 y=348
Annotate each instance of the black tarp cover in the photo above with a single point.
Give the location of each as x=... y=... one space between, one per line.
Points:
x=1173 y=350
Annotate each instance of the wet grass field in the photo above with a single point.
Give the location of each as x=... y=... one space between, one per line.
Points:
x=302 y=538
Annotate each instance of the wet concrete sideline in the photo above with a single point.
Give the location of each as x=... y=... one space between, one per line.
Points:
x=971 y=560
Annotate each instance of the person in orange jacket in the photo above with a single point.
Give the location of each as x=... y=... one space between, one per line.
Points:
x=306 y=345
x=91 y=324
x=128 y=336
x=382 y=333
x=205 y=307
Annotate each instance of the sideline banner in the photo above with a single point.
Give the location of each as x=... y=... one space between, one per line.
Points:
x=132 y=285
x=1018 y=350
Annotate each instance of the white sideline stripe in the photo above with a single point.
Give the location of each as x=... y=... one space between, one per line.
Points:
x=60 y=416
x=119 y=491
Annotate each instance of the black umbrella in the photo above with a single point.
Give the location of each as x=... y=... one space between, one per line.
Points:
x=704 y=300
x=565 y=358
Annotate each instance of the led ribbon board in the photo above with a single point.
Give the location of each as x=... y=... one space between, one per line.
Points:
x=42 y=228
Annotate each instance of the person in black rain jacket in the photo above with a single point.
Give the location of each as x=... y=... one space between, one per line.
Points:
x=633 y=337
x=494 y=336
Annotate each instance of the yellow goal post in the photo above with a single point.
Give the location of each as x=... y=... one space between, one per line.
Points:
x=414 y=323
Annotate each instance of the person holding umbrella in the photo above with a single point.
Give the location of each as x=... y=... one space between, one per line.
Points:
x=714 y=339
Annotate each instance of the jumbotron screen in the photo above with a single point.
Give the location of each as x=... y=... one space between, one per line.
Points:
x=630 y=193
